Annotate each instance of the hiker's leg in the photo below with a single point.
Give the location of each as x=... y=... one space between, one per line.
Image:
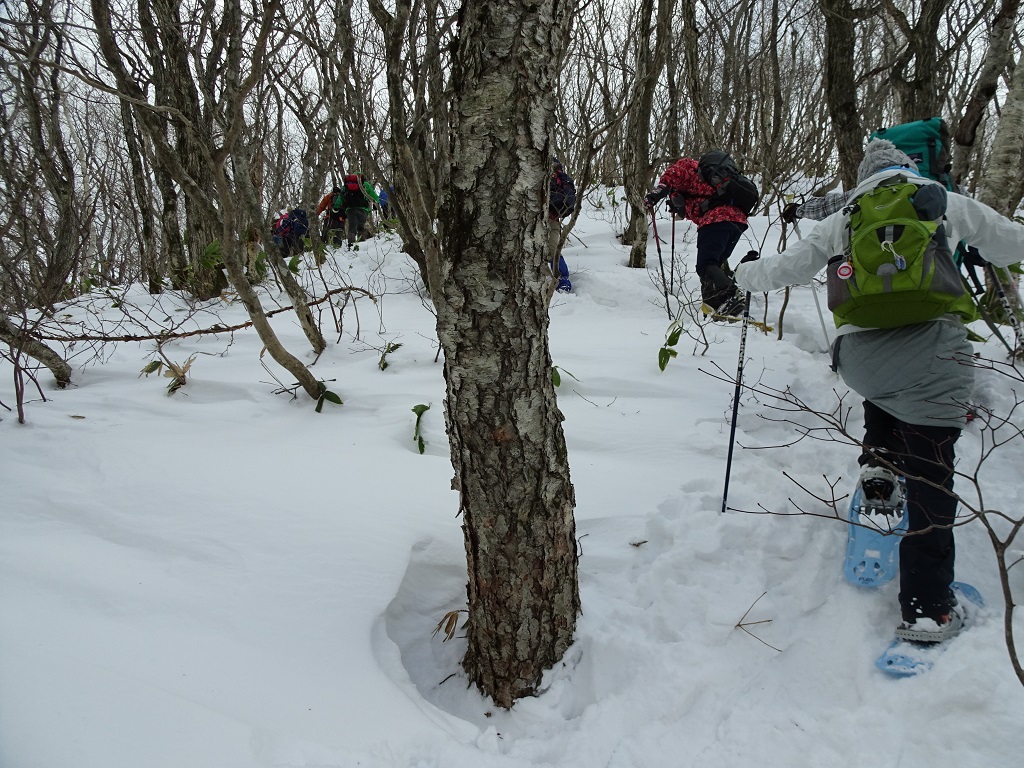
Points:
x=356 y=222
x=928 y=552
x=714 y=245
x=883 y=443
x=350 y=226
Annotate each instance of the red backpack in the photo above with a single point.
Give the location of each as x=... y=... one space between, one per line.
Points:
x=354 y=196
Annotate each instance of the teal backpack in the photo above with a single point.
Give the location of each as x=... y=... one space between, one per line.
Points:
x=926 y=142
x=897 y=268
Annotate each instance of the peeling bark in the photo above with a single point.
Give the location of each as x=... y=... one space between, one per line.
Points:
x=504 y=425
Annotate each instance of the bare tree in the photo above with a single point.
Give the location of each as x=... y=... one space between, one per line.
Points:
x=651 y=35
x=841 y=88
x=58 y=210
x=915 y=72
x=504 y=425
x=419 y=39
x=210 y=189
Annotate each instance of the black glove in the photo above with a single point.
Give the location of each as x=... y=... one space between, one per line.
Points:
x=789 y=214
x=751 y=256
x=655 y=197
x=677 y=204
x=973 y=258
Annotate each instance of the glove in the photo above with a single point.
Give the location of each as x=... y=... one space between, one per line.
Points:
x=677 y=204
x=751 y=256
x=973 y=258
x=655 y=197
x=789 y=214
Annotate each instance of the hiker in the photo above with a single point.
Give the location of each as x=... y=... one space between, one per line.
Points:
x=719 y=222
x=927 y=144
x=385 y=201
x=289 y=229
x=561 y=204
x=358 y=194
x=915 y=378
x=333 y=207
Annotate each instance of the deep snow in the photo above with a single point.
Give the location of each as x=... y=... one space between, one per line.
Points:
x=224 y=578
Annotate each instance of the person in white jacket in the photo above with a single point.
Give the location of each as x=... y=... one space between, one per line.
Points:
x=915 y=381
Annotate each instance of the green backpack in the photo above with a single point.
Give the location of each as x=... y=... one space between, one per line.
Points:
x=897 y=268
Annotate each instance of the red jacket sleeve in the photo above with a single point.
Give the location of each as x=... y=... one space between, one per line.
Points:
x=682 y=176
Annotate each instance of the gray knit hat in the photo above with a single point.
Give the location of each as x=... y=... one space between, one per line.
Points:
x=880 y=154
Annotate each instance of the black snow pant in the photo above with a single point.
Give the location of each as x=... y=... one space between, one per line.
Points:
x=334 y=229
x=925 y=456
x=356 y=224
x=715 y=243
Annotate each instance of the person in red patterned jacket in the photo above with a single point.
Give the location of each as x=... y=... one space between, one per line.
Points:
x=719 y=227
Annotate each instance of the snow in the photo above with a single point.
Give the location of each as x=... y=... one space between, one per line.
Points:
x=224 y=578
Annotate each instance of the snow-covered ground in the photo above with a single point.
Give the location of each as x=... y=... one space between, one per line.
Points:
x=225 y=578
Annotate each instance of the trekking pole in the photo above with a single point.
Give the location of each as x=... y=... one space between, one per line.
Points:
x=814 y=293
x=736 y=398
x=672 y=252
x=661 y=264
x=970 y=260
x=1011 y=316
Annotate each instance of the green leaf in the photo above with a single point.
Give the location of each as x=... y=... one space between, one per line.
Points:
x=152 y=367
x=556 y=376
x=320 y=403
x=293 y=264
x=673 y=338
x=664 y=355
x=422 y=446
x=328 y=395
x=420 y=409
x=211 y=255
x=556 y=379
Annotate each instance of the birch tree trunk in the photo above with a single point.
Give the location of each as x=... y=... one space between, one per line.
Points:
x=504 y=425
x=1003 y=183
x=1003 y=173
x=998 y=56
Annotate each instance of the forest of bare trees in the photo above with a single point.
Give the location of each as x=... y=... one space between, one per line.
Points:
x=154 y=141
x=137 y=134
